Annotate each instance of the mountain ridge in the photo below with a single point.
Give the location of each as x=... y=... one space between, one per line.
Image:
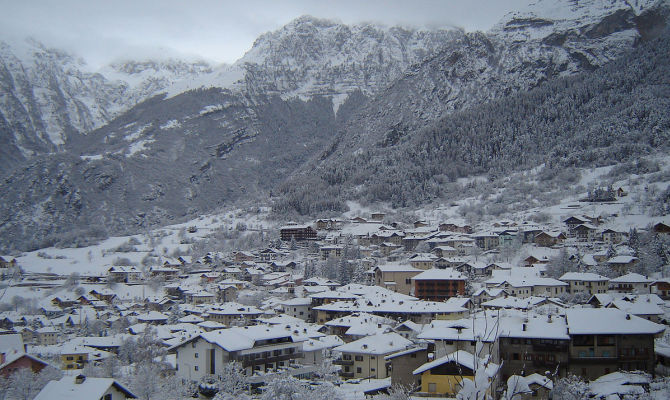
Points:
x=178 y=154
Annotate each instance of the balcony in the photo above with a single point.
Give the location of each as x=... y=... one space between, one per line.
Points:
x=269 y=360
x=347 y=374
x=344 y=362
x=550 y=347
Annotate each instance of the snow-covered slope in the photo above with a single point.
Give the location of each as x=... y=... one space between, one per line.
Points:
x=49 y=95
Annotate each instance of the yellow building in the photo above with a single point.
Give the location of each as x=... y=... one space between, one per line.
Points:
x=444 y=375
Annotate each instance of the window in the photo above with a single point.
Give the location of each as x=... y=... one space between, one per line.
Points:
x=193 y=344
x=432 y=387
x=515 y=356
x=108 y=396
x=359 y=358
x=373 y=358
x=408 y=281
x=358 y=370
x=195 y=368
x=372 y=369
x=196 y=355
x=346 y=356
x=69 y=358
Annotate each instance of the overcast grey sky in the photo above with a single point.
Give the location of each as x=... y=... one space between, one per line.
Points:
x=218 y=31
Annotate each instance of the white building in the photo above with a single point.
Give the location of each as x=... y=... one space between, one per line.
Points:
x=258 y=349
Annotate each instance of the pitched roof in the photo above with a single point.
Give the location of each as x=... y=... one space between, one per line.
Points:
x=461 y=357
x=593 y=321
x=384 y=343
x=90 y=388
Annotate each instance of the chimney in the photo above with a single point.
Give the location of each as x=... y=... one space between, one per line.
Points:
x=627 y=316
x=549 y=319
x=79 y=379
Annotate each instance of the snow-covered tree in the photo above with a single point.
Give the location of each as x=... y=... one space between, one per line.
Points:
x=570 y=388
x=24 y=384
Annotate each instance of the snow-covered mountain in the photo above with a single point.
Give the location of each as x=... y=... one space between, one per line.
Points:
x=316 y=57
x=49 y=95
x=310 y=95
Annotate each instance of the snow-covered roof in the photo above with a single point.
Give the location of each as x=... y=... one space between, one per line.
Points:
x=397 y=268
x=631 y=278
x=463 y=358
x=619 y=385
x=587 y=321
x=384 y=343
x=439 y=274
x=622 y=260
x=91 y=388
x=583 y=276
x=297 y=301
x=243 y=338
x=637 y=307
x=10 y=342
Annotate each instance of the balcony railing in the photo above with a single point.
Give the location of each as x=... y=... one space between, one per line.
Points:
x=269 y=360
x=344 y=362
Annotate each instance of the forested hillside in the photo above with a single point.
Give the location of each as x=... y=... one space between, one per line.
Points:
x=612 y=114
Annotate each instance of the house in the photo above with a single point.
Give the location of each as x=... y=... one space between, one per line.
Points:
x=297 y=233
x=258 y=348
x=643 y=308
x=365 y=358
x=46 y=336
x=585 y=282
x=611 y=236
x=403 y=364
x=125 y=274
x=13 y=361
x=483 y=295
x=605 y=340
x=662 y=288
x=661 y=228
x=298 y=307
x=531 y=387
x=326 y=224
x=533 y=343
x=13 y=356
x=330 y=252
x=475 y=268
x=438 y=284
x=623 y=264
x=487 y=240
x=231 y=314
x=164 y=272
x=549 y=238
x=451 y=227
x=242 y=256
x=423 y=261
x=5 y=263
x=444 y=375
x=631 y=283
x=395 y=277
x=573 y=222
x=81 y=387
x=585 y=232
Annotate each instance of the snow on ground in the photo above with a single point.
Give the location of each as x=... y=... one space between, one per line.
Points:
x=99 y=258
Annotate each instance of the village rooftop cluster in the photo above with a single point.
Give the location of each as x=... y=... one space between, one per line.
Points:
x=422 y=305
